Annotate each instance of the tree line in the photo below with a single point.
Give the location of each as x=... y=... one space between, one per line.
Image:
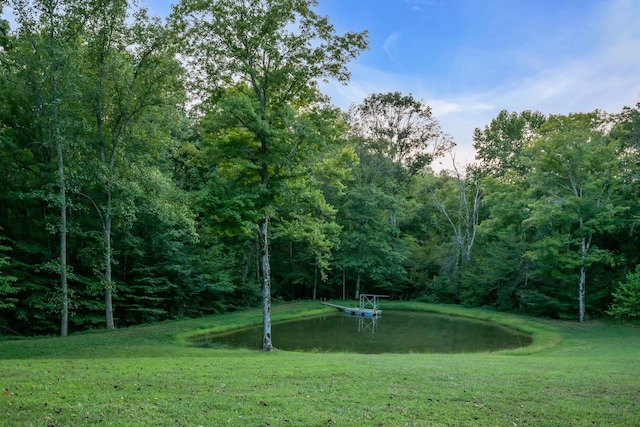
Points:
x=157 y=169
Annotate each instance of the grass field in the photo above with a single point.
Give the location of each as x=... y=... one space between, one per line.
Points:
x=572 y=375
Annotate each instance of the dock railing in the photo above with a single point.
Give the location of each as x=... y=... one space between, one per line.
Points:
x=370 y=301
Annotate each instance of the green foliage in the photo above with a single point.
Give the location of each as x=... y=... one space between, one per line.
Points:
x=496 y=274
x=626 y=130
x=501 y=145
x=626 y=298
x=370 y=247
x=573 y=200
x=163 y=207
x=440 y=290
x=7 y=290
x=401 y=128
x=543 y=302
x=254 y=42
x=258 y=64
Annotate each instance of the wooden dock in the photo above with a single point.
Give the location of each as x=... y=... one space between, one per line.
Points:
x=368 y=307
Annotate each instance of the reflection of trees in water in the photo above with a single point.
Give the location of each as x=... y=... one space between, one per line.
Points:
x=394 y=332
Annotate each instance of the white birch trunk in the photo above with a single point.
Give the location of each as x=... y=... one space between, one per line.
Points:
x=267 y=344
x=582 y=292
x=583 y=279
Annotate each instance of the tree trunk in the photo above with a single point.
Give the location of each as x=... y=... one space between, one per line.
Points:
x=581 y=292
x=64 y=287
x=393 y=221
x=358 y=286
x=263 y=229
x=315 y=281
x=583 y=278
x=108 y=283
x=108 y=210
x=344 y=284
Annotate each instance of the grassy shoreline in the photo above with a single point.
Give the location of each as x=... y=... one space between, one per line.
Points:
x=572 y=375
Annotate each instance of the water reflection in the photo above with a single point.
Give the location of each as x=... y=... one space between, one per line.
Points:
x=393 y=332
x=367 y=324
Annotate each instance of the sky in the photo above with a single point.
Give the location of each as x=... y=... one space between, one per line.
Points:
x=470 y=59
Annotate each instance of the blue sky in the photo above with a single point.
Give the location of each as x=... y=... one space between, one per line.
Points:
x=469 y=59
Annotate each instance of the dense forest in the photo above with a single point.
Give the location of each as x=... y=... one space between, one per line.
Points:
x=156 y=169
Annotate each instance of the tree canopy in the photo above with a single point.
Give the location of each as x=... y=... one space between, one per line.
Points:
x=153 y=170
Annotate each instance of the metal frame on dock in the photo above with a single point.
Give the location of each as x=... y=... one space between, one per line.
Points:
x=368 y=307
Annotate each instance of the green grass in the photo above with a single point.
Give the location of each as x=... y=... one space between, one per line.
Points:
x=572 y=375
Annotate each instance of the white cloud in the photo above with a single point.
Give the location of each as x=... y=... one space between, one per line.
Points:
x=364 y=81
x=605 y=76
x=389 y=46
x=419 y=5
x=442 y=107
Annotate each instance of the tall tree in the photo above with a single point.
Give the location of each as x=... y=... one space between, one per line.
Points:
x=403 y=131
x=626 y=132
x=370 y=249
x=574 y=183
x=412 y=136
x=131 y=74
x=306 y=221
x=397 y=138
x=498 y=272
x=277 y=50
x=50 y=28
x=459 y=201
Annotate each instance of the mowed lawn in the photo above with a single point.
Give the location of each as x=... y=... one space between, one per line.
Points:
x=572 y=375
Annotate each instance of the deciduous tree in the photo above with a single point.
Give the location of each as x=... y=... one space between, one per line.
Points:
x=131 y=78
x=573 y=191
x=500 y=144
x=407 y=132
x=50 y=30
x=274 y=52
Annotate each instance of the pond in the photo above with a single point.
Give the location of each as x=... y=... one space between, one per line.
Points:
x=393 y=332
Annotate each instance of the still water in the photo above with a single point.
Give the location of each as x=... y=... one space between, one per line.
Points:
x=393 y=332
